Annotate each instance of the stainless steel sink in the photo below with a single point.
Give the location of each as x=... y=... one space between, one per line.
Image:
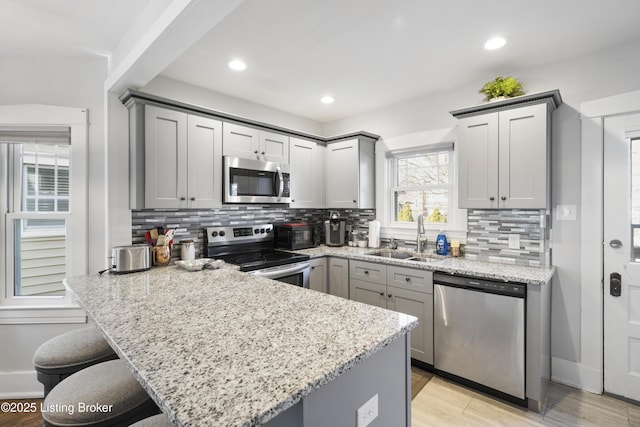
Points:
x=424 y=258
x=392 y=254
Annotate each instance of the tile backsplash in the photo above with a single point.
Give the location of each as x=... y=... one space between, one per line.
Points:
x=489 y=231
x=190 y=223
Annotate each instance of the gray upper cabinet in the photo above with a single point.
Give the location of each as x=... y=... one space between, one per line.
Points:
x=307 y=173
x=252 y=143
x=504 y=153
x=182 y=160
x=350 y=174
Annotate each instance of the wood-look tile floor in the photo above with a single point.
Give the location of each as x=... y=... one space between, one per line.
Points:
x=439 y=402
x=444 y=403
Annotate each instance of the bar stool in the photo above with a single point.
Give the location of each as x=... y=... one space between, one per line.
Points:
x=159 y=420
x=106 y=394
x=68 y=353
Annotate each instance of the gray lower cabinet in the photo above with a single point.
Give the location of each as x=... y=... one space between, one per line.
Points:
x=318 y=276
x=338 y=272
x=406 y=290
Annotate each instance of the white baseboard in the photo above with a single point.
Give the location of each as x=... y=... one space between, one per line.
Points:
x=20 y=385
x=576 y=375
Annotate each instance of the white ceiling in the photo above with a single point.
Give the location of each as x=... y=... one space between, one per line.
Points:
x=366 y=53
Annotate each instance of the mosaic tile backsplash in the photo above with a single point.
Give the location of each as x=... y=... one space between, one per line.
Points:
x=489 y=230
x=190 y=223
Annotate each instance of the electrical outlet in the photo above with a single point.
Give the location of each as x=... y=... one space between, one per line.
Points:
x=514 y=241
x=368 y=412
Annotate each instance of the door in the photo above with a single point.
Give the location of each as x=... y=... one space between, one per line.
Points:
x=478 y=159
x=204 y=149
x=523 y=155
x=421 y=306
x=622 y=256
x=240 y=141
x=318 y=276
x=274 y=147
x=339 y=277
x=368 y=293
x=343 y=174
x=165 y=158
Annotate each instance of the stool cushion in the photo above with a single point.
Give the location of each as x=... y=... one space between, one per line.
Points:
x=77 y=347
x=159 y=420
x=95 y=394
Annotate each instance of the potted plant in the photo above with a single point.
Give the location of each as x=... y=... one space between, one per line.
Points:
x=501 y=87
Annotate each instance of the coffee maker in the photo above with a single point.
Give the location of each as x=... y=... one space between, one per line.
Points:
x=334 y=229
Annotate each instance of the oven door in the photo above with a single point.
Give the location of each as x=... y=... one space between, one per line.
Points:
x=297 y=274
x=255 y=181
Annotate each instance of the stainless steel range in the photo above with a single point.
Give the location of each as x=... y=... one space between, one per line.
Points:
x=252 y=248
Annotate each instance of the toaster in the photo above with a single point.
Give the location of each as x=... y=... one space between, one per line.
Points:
x=128 y=259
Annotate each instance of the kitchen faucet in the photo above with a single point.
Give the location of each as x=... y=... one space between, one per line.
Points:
x=420 y=233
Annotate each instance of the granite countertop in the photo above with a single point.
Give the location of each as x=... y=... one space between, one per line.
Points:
x=490 y=270
x=221 y=347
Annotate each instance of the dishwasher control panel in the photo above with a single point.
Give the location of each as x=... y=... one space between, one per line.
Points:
x=512 y=289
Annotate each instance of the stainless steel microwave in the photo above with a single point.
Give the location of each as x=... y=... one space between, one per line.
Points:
x=255 y=181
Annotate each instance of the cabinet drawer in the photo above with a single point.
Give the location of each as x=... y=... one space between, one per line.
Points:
x=368 y=271
x=411 y=279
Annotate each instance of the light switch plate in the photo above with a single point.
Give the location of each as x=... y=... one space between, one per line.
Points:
x=566 y=212
x=367 y=412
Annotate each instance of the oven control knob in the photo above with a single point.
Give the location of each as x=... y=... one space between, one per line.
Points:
x=214 y=234
x=256 y=231
x=222 y=233
x=262 y=230
x=268 y=230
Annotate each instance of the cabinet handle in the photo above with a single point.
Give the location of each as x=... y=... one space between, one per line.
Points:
x=503 y=198
x=255 y=152
x=314 y=267
x=408 y=279
x=355 y=201
x=389 y=295
x=293 y=200
x=366 y=272
x=193 y=199
x=263 y=153
x=492 y=198
x=183 y=198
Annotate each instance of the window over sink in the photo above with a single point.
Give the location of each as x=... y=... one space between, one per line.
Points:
x=421 y=183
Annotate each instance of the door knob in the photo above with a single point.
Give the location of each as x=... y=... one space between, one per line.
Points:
x=615 y=244
x=615 y=284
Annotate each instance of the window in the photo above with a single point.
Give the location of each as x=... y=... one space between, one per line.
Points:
x=421 y=183
x=38 y=208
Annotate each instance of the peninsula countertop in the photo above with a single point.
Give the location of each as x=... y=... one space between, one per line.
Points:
x=228 y=348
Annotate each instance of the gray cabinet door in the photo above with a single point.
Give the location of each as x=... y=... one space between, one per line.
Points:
x=368 y=271
x=165 y=158
x=420 y=305
x=343 y=179
x=318 y=277
x=307 y=173
x=273 y=147
x=368 y=292
x=478 y=161
x=523 y=157
x=240 y=141
x=339 y=277
x=204 y=149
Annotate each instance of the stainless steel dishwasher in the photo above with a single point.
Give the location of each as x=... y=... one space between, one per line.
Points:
x=479 y=333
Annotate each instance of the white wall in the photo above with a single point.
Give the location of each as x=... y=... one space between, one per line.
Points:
x=71 y=82
x=179 y=91
x=579 y=79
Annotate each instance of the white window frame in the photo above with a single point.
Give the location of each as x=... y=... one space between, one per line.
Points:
x=393 y=187
x=418 y=142
x=50 y=309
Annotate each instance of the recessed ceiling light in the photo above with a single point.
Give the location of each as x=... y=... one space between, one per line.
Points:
x=327 y=99
x=237 y=65
x=495 y=43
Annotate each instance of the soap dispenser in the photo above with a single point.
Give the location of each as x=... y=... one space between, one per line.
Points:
x=442 y=246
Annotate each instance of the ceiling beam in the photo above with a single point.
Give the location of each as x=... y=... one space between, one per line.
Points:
x=171 y=28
